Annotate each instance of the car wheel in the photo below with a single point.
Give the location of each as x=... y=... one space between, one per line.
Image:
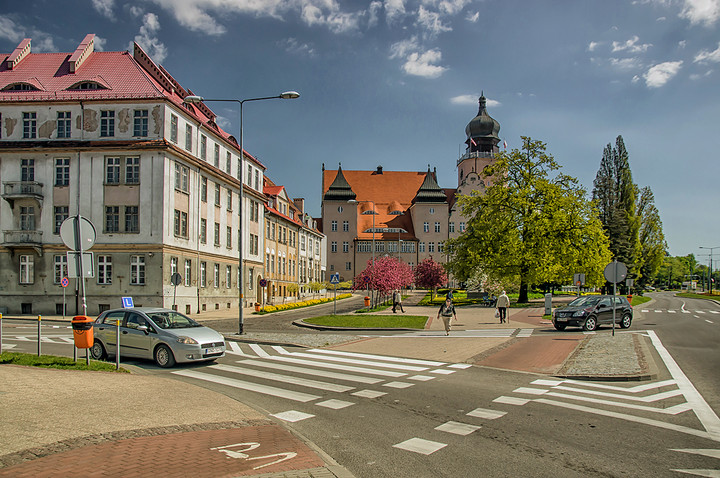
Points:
x=590 y=324
x=98 y=351
x=164 y=356
x=625 y=322
x=559 y=326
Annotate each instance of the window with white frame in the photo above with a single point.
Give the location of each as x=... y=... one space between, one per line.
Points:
x=421 y=247
x=257 y=180
x=440 y=246
x=216 y=157
x=64 y=129
x=188 y=270
x=203 y=230
x=249 y=176
x=229 y=199
x=173 y=266
x=112 y=170
x=107 y=123
x=203 y=189
x=431 y=247
x=203 y=147
x=437 y=227
x=61 y=213
x=132 y=219
x=348 y=266
x=27 y=270
x=346 y=246
x=104 y=270
x=188 y=137
x=132 y=170
x=27 y=170
x=29 y=125
x=426 y=227
x=333 y=246
x=61 y=268
x=27 y=218
x=216 y=275
x=112 y=218
x=203 y=274
x=182 y=175
x=333 y=226
x=228 y=162
x=216 y=234
x=228 y=237
x=228 y=277
x=62 y=171
x=451 y=227
x=173 y=128
x=180 y=223
x=217 y=194
x=462 y=227
x=140 y=123
x=346 y=226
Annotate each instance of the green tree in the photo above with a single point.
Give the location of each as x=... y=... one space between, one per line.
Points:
x=616 y=197
x=651 y=237
x=532 y=224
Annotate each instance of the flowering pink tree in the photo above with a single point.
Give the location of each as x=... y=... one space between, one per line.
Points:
x=386 y=275
x=430 y=275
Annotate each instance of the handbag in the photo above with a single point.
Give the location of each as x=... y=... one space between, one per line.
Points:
x=497 y=313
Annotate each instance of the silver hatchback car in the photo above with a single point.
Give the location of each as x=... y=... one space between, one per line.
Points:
x=163 y=335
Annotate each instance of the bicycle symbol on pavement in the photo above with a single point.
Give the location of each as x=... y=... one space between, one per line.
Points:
x=240 y=454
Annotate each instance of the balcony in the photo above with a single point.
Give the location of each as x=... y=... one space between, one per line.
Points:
x=22 y=189
x=23 y=239
x=476 y=155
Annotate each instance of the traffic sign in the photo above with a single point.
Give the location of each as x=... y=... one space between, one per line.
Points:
x=263 y=282
x=74 y=264
x=335 y=278
x=175 y=279
x=127 y=303
x=72 y=230
x=615 y=272
x=64 y=282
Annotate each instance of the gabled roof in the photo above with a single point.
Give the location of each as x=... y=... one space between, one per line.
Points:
x=429 y=191
x=339 y=190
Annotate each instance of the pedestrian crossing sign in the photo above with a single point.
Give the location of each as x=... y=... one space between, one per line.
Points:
x=335 y=278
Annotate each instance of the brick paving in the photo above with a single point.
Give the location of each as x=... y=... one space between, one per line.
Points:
x=538 y=354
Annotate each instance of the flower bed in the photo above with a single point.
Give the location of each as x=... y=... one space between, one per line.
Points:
x=296 y=305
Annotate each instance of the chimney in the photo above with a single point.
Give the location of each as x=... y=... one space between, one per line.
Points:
x=22 y=50
x=82 y=52
x=300 y=203
x=379 y=170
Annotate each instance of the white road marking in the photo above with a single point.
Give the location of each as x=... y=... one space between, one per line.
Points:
x=709 y=321
x=429 y=363
x=234 y=348
x=259 y=350
x=304 y=382
x=309 y=371
x=443 y=372
x=712 y=453
x=645 y=310
x=9 y=346
x=525 y=333
x=334 y=366
x=418 y=445
x=461 y=366
x=511 y=400
x=457 y=428
x=635 y=389
x=421 y=378
x=714 y=312
x=707 y=416
x=487 y=414
x=705 y=473
x=686 y=311
x=647 y=398
x=334 y=404
x=67 y=340
x=674 y=410
x=398 y=384
x=368 y=393
x=699 y=311
x=280 y=349
x=253 y=387
x=292 y=416
x=658 y=311
x=530 y=391
x=672 y=312
x=548 y=383
x=590 y=333
x=410 y=368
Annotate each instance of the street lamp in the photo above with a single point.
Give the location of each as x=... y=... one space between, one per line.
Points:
x=192 y=99
x=373 y=212
x=711 y=267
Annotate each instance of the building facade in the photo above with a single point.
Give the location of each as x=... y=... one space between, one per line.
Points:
x=107 y=135
x=406 y=214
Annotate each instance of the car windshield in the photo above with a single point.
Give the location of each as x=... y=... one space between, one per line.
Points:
x=585 y=301
x=172 y=320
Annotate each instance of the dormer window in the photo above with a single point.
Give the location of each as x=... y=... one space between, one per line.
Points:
x=87 y=85
x=20 y=87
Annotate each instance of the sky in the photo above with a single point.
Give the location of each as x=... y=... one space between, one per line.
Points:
x=393 y=83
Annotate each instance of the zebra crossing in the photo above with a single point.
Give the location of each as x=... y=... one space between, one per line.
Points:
x=681 y=311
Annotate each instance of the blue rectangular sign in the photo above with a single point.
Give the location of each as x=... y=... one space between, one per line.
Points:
x=127 y=303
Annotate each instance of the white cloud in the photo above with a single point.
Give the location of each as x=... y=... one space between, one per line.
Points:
x=148 y=40
x=105 y=8
x=373 y=10
x=13 y=31
x=452 y=7
x=423 y=64
x=292 y=45
x=403 y=48
x=99 y=43
x=631 y=46
x=705 y=12
x=696 y=76
x=431 y=22
x=682 y=43
x=472 y=17
x=660 y=19
x=472 y=100
x=660 y=74
x=593 y=45
x=706 y=56
x=10 y=30
x=394 y=9
x=625 y=63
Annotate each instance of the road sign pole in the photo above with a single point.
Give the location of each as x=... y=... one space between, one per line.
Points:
x=614 y=294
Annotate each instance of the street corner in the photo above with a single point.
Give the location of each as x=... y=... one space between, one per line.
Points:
x=242 y=451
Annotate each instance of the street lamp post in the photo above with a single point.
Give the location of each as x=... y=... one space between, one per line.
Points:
x=355 y=201
x=711 y=266
x=287 y=95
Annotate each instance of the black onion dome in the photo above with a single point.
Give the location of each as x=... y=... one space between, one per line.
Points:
x=483 y=128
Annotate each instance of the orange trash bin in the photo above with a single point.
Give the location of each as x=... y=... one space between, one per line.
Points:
x=367 y=301
x=82 y=331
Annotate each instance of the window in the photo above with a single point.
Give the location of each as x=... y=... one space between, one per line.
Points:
x=251 y=275
x=257 y=180
x=173 y=265
x=203 y=147
x=346 y=226
x=228 y=236
x=333 y=226
x=140 y=123
x=137 y=270
x=216 y=275
x=216 y=157
x=27 y=170
x=228 y=162
x=132 y=170
x=180 y=226
x=451 y=227
x=364 y=246
x=112 y=218
x=27 y=218
x=173 y=128
x=203 y=230
x=239 y=169
x=63 y=124
x=249 y=178
x=228 y=277
x=272 y=264
x=27 y=272
x=216 y=231
x=132 y=219
x=104 y=269
x=188 y=269
x=421 y=247
x=348 y=266
x=188 y=137
x=437 y=227
x=426 y=227
x=203 y=274
x=431 y=247
x=462 y=227
x=229 y=200
x=432 y=210
x=217 y=194
x=62 y=171
x=61 y=268
x=29 y=126
x=203 y=189
x=346 y=246
x=440 y=246
x=107 y=124
x=182 y=174
x=112 y=170
x=333 y=246
x=61 y=213
x=380 y=246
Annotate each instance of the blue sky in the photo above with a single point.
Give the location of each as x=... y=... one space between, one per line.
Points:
x=395 y=82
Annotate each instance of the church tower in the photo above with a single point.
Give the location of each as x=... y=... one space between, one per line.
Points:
x=482 y=144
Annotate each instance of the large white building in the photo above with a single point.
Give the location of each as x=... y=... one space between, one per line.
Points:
x=107 y=135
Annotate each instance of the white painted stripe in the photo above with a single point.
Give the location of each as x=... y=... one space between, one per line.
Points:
x=410 y=368
x=334 y=404
x=645 y=310
x=658 y=311
x=398 y=384
x=674 y=410
x=714 y=312
x=635 y=389
x=48 y=340
x=429 y=363
x=368 y=393
x=457 y=428
x=442 y=372
x=709 y=321
x=707 y=416
x=589 y=333
x=309 y=371
x=647 y=398
x=461 y=366
x=712 y=453
x=530 y=391
x=9 y=346
x=334 y=366
x=418 y=445
x=511 y=400
x=525 y=332
x=67 y=340
x=631 y=418
x=686 y=312
x=421 y=378
x=699 y=311
x=705 y=473
x=259 y=350
x=487 y=414
x=234 y=348
x=304 y=382
x=253 y=387
x=672 y=312
x=280 y=349
x=548 y=383
x=292 y=416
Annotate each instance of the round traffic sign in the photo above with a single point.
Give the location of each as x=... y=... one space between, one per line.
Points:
x=263 y=282
x=85 y=233
x=615 y=272
x=175 y=279
x=64 y=282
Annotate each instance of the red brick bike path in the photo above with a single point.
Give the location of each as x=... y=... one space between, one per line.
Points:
x=232 y=452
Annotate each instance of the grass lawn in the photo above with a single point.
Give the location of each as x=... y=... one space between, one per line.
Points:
x=370 y=321
x=690 y=295
x=52 y=361
x=639 y=299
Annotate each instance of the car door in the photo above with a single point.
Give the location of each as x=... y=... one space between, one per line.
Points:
x=106 y=330
x=135 y=342
x=604 y=311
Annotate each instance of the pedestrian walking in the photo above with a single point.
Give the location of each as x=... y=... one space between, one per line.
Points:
x=503 y=302
x=447 y=311
x=397 y=301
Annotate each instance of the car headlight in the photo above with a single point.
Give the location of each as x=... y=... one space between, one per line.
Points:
x=580 y=313
x=186 y=340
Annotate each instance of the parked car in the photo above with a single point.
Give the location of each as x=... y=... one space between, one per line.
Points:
x=158 y=334
x=592 y=310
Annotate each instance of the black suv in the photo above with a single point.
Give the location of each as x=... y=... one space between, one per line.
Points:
x=592 y=310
